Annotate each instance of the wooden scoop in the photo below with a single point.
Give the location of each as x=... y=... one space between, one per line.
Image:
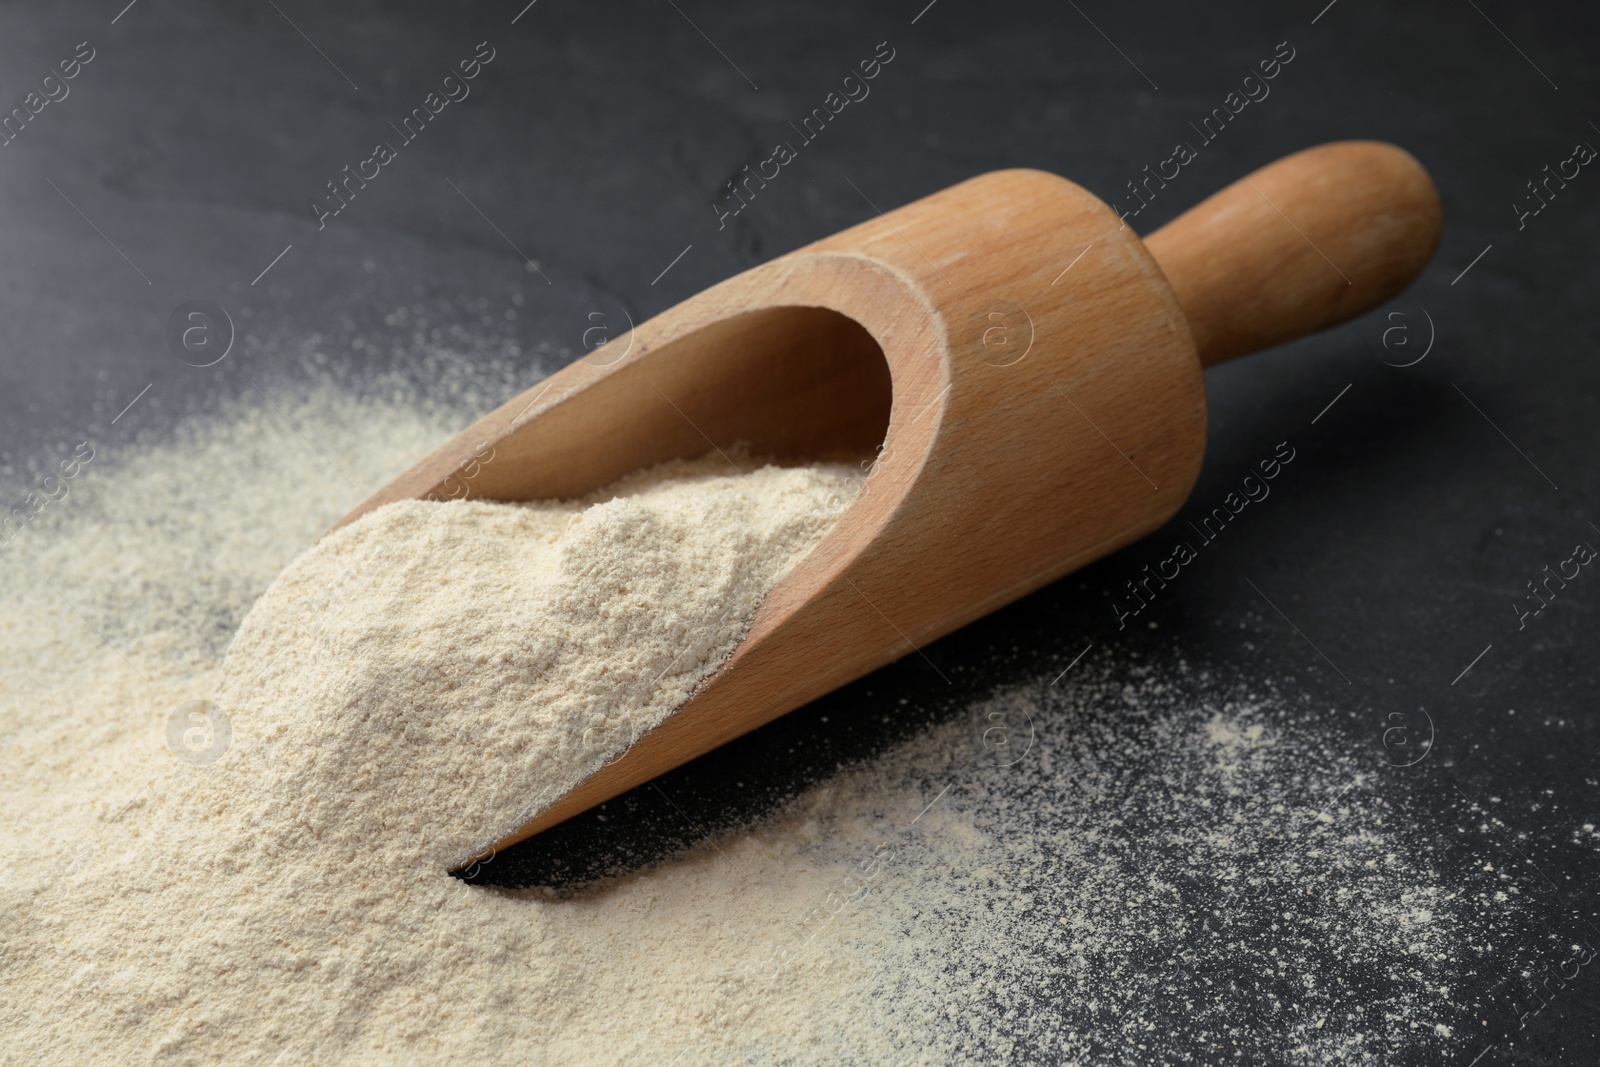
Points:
x=1029 y=367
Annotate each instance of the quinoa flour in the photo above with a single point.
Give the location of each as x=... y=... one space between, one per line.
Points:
x=420 y=682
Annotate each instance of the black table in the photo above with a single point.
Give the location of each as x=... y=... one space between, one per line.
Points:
x=1446 y=443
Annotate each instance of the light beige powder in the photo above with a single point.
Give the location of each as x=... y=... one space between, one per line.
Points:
x=412 y=688
x=459 y=666
x=1160 y=861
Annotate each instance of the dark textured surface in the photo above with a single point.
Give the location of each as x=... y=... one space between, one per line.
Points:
x=1418 y=506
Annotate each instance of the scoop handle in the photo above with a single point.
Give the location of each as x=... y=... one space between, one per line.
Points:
x=1302 y=244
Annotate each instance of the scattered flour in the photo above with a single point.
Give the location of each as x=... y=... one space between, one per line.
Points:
x=1177 y=869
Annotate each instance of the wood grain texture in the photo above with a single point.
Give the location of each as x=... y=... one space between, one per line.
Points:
x=1021 y=357
x=1302 y=244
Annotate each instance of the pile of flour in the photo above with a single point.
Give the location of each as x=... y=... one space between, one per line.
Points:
x=410 y=689
x=1165 y=868
x=460 y=666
